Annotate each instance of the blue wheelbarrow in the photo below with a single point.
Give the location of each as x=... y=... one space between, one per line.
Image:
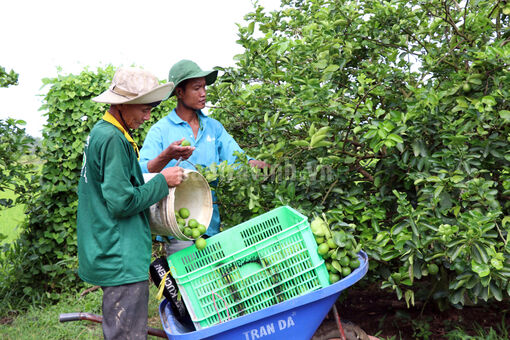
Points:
x=297 y=318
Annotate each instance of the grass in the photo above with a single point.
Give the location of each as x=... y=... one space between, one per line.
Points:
x=500 y=332
x=11 y=218
x=41 y=322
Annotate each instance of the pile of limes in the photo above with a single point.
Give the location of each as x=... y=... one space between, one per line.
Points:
x=191 y=227
x=338 y=247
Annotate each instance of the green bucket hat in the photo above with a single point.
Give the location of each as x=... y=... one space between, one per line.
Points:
x=187 y=69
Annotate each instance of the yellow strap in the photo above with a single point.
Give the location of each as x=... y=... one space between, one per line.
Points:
x=112 y=120
x=162 y=286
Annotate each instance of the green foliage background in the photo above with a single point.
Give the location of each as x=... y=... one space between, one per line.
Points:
x=392 y=118
x=43 y=262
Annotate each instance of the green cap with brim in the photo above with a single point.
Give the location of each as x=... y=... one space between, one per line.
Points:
x=187 y=69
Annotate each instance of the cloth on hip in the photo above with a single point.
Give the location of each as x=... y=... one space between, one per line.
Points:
x=125 y=311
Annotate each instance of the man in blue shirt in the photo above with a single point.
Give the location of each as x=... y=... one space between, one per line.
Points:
x=210 y=142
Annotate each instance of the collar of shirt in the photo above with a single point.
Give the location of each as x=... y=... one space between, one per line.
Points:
x=174 y=117
x=112 y=120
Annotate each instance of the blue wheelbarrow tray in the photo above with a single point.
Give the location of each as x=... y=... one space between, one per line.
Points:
x=297 y=318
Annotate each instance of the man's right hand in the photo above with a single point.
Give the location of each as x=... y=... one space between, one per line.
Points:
x=174 y=175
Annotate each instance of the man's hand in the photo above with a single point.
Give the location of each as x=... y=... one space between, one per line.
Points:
x=176 y=151
x=174 y=175
x=258 y=164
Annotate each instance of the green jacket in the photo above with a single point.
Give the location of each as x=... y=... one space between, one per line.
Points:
x=114 y=238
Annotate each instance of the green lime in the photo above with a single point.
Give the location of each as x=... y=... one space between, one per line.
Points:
x=331 y=243
x=328 y=266
x=433 y=268
x=192 y=223
x=184 y=212
x=323 y=249
x=201 y=228
x=348 y=245
x=177 y=215
x=344 y=261
x=318 y=226
x=185 y=143
x=346 y=271
x=354 y=263
x=195 y=233
x=181 y=221
x=319 y=239
x=187 y=231
x=333 y=278
x=200 y=243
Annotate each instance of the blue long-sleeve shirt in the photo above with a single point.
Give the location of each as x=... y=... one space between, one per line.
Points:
x=212 y=145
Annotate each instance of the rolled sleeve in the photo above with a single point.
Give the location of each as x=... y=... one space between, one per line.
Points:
x=152 y=147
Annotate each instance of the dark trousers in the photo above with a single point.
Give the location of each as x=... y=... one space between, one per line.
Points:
x=125 y=311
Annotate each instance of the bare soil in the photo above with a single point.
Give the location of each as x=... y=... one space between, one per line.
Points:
x=380 y=313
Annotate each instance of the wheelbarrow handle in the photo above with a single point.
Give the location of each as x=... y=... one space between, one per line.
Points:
x=65 y=317
x=69 y=317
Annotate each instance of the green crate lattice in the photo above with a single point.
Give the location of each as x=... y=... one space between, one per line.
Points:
x=254 y=265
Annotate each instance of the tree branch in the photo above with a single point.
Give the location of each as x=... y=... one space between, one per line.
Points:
x=329 y=190
x=416 y=39
x=494 y=8
x=465 y=12
x=89 y=290
x=403 y=48
x=355 y=110
x=450 y=51
x=362 y=171
x=450 y=21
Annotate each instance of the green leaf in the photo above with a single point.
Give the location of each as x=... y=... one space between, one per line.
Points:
x=504 y=221
x=395 y=138
x=438 y=191
x=481 y=269
x=303 y=143
x=337 y=266
x=505 y=115
x=496 y=291
x=331 y=68
x=321 y=63
x=489 y=100
x=251 y=27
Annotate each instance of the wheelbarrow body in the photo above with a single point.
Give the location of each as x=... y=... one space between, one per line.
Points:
x=295 y=319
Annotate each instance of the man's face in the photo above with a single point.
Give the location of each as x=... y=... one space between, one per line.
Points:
x=193 y=95
x=135 y=114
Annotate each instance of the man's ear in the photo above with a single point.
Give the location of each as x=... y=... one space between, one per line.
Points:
x=178 y=92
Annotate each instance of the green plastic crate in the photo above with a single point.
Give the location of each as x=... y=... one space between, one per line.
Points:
x=254 y=265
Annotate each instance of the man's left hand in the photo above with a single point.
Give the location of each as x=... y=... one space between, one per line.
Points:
x=176 y=151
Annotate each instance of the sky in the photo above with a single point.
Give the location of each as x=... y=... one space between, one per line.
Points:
x=38 y=37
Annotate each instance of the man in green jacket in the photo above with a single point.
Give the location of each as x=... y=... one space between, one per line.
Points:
x=114 y=237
